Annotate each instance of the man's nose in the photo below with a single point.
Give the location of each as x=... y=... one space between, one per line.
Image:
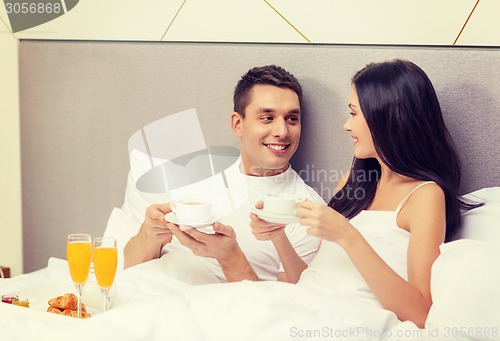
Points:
x=280 y=128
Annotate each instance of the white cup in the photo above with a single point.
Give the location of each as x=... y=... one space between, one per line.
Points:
x=279 y=204
x=192 y=211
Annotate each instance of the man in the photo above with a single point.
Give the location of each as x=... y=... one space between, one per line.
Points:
x=267 y=119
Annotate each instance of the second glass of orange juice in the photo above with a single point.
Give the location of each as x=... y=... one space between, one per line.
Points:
x=105 y=261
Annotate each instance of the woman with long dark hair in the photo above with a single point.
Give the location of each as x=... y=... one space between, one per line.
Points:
x=382 y=229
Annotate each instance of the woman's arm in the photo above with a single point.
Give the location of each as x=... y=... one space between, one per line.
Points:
x=424 y=216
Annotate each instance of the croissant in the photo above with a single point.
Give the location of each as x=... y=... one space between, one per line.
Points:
x=66 y=305
x=67 y=312
x=67 y=301
x=74 y=313
x=54 y=310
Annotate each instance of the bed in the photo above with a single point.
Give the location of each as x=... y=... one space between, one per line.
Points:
x=152 y=303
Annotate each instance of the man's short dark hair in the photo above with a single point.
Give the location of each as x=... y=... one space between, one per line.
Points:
x=267 y=75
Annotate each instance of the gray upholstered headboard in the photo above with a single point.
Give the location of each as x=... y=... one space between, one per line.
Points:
x=81 y=101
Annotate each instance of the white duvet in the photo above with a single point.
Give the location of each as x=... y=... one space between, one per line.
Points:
x=149 y=305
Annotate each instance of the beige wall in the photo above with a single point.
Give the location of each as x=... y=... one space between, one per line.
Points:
x=10 y=177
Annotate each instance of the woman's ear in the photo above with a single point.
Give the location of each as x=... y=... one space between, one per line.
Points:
x=236 y=121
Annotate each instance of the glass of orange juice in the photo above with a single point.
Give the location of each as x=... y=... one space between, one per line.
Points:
x=105 y=260
x=79 y=256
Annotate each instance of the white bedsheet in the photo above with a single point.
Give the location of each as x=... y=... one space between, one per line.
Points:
x=150 y=305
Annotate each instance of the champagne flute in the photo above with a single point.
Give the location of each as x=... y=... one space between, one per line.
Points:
x=105 y=262
x=79 y=255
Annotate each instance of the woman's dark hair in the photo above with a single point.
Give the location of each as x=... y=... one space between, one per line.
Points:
x=404 y=116
x=267 y=75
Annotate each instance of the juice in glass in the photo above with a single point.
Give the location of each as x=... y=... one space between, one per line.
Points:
x=79 y=255
x=105 y=262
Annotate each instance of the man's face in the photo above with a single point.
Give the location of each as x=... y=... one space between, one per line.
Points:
x=270 y=130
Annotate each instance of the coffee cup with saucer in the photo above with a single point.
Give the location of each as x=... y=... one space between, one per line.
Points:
x=278 y=209
x=190 y=212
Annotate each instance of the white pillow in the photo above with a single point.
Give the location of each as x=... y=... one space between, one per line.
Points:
x=121 y=227
x=465 y=287
x=124 y=223
x=136 y=202
x=482 y=223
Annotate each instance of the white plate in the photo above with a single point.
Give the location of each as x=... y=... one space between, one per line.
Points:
x=275 y=218
x=39 y=296
x=172 y=218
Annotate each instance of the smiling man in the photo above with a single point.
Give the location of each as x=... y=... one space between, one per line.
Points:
x=267 y=119
x=269 y=129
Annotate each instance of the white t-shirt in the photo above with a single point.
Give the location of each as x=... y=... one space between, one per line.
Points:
x=234 y=202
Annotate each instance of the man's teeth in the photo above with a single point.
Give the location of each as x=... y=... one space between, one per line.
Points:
x=276 y=146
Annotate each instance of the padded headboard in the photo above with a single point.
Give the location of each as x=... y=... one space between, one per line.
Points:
x=81 y=101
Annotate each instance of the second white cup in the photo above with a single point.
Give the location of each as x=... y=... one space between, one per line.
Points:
x=279 y=204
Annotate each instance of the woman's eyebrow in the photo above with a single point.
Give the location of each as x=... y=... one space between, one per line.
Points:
x=351 y=106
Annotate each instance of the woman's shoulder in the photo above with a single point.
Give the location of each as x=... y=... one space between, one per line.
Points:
x=424 y=196
x=423 y=193
x=426 y=188
x=426 y=201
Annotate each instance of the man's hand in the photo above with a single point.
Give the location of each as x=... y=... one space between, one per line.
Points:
x=263 y=230
x=154 y=229
x=152 y=236
x=221 y=245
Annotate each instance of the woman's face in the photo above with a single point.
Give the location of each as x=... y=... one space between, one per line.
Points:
x=357 y=126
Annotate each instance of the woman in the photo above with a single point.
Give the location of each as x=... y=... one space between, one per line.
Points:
x=382 y=229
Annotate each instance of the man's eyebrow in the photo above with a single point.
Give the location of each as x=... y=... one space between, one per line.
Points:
x=266 y=109
x=270 y=109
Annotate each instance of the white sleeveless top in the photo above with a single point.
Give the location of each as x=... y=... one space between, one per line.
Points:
x=332 y=270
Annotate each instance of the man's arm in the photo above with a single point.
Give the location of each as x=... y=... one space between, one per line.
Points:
x=293 y=264
x=150 y=239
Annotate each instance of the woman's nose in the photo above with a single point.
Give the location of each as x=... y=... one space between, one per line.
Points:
x=347 y=125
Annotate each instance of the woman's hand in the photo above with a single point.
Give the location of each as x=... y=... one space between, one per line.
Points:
x=324 y=222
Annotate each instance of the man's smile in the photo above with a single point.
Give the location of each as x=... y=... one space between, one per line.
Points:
x=277 y=146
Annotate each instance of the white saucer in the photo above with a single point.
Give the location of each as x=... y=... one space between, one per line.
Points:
x=172 y=218
x=275 y=218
